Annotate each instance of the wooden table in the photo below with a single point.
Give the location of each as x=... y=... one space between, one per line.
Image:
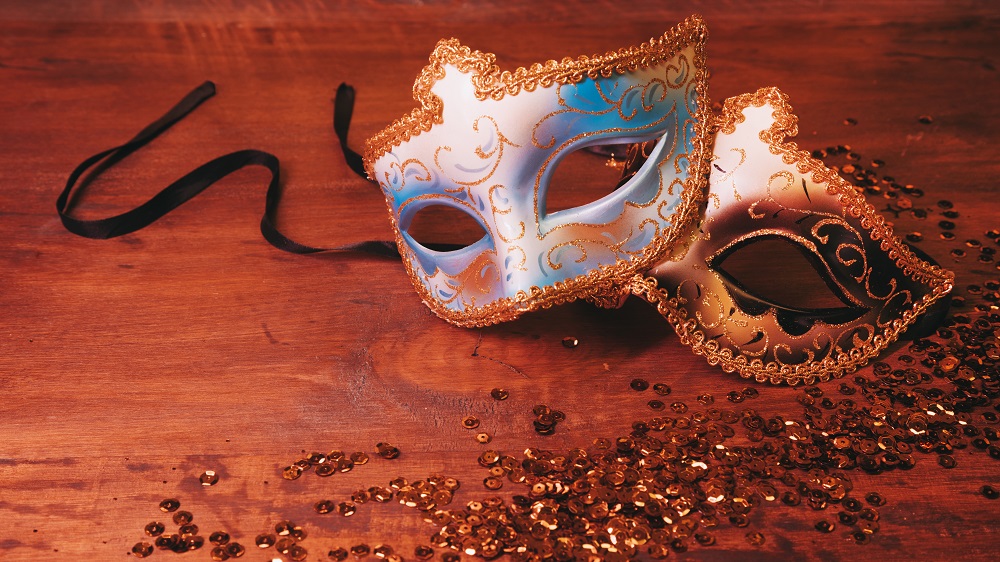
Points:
x=128 y=367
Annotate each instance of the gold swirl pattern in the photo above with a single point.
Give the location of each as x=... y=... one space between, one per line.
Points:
x=491 y=156
x=778 y=190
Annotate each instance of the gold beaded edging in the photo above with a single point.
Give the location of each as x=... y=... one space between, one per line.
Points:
x=598 y=284
x=491 y=82
x=785 y=126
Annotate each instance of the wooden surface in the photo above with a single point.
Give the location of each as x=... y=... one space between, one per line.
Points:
x=129 y=366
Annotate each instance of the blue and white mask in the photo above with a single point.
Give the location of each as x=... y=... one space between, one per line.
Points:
x=486 y=142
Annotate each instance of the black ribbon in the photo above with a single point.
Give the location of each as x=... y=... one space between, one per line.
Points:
x=343 y=108
x=196 y=181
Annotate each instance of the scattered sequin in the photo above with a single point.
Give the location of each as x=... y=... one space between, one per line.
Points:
x=297 y=553
x=235 y=549
x=360 y=497
x=169 y=505
x=208 y=478
x=875 y=498
x=380 y=494
x=346 y=509
x=499 y=394
x=284 y=545
x=284 y=528
x=546 y=419
x=183 y=517
x=387 y=451
x=847 y=518
x=825 y=526
x=142 y=549
x=154 y=529
x=570 y=342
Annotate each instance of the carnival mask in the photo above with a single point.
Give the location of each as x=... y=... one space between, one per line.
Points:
x=487 y=142
x=765 y=190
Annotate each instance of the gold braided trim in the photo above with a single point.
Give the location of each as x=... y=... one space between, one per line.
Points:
x=490 y=82
x=839 y=364
x=806 y=373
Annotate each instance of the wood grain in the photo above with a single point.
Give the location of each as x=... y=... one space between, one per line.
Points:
x=129 y=366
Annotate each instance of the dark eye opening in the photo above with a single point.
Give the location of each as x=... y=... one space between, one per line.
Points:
x=588 y=174
x=443 y=228
x=771 y=272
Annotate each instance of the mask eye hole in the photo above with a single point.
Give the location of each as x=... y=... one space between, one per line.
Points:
x=588 y=174
x=771 y=272
x=442 y=228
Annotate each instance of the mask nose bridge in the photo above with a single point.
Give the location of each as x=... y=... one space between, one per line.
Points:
x=512 y=220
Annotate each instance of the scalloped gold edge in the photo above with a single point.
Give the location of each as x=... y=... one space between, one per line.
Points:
x=491 y=82
x=785 y=126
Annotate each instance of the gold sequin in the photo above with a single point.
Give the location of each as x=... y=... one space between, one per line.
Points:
x=169 y=505
x=208 y=478
x=235 y=549
x=154 y=529
x=387 y=451
x=346 y=509
x=183 y=517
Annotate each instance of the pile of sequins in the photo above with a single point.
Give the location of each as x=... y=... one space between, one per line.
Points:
x=186 y=538
x=328 y=464
x=683 y=475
